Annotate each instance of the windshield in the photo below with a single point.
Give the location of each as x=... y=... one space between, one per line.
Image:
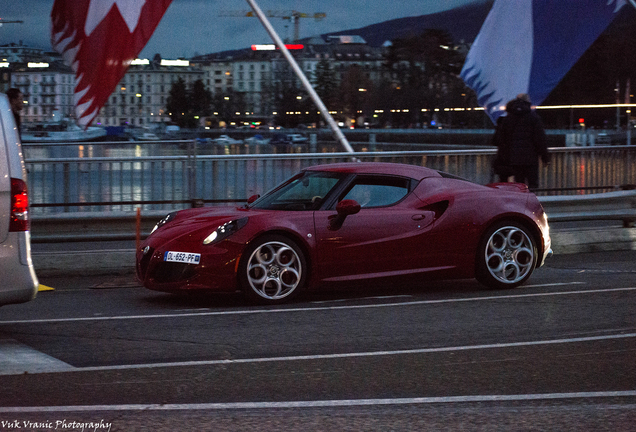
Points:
x=306 y=191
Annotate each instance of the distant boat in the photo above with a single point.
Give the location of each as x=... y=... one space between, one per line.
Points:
x=141 y=134
x=63 y=130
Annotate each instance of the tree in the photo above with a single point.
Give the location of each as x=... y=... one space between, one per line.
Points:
x=325 y=83
x=186 y=104
x=226 y=105
x=287 y=101
x=199 y=99
x=177 y=105
x=354 y=93
x=425 y=72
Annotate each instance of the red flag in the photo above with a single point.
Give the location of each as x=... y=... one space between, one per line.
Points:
x=99 y=39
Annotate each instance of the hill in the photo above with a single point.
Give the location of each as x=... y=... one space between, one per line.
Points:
x=462 y=23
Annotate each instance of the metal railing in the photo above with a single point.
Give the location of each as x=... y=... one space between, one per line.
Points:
x=110 y=226
x=619 y=205
x=163 y=176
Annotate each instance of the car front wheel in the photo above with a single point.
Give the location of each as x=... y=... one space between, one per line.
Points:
x=273 y=270
x=507 y=255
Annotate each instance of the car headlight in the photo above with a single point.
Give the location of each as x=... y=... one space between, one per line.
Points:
x=165 y=220
x=225 y=230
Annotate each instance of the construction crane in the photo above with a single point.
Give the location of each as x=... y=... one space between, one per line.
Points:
x=293 y=16
x=10 y=22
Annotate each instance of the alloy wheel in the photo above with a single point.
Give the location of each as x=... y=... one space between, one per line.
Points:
x=274 y=270
x=509 y=254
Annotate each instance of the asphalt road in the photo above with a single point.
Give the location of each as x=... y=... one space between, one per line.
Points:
x=101 y=353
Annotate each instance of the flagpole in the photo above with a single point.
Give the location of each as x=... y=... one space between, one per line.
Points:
x=618 y=101
x=628 y=114
x=303 y=79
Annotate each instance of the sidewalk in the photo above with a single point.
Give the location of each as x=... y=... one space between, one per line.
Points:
x=122 y=261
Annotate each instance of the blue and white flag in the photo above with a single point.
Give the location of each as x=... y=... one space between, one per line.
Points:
x=527 y=46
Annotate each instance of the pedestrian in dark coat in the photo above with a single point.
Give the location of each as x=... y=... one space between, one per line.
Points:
x=16 y=100
x=521 y=141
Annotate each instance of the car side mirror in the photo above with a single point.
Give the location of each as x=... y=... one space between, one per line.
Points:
x=344 y=208
x=347 y=207
x=253 y=198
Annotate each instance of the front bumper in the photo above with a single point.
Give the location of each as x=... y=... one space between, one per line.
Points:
x=216 y=270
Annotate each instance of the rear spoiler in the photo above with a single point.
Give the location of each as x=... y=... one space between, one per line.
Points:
x=512 y=187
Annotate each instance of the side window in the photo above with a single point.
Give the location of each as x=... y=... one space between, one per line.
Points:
x=378 y=191
x=304 y=192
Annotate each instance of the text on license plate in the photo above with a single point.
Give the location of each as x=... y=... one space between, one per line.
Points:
x=182 y=257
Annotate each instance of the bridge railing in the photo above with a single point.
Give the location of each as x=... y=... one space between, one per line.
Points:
x=110 y=181
x=116 y=225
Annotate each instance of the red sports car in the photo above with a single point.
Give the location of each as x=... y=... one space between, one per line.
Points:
x=350 y=222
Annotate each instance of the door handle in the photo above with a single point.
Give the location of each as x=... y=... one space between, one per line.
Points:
x=418 y=217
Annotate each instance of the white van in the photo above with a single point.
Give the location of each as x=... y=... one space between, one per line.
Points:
x=18 y=282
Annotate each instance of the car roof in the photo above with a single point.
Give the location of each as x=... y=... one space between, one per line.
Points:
x=412 y=171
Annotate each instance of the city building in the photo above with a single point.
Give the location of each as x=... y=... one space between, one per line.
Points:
x=19 y=53
x=46 y=87
x=258 y=76
x=245 y=85
x=141 y=97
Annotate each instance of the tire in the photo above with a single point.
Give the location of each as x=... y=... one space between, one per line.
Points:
x=273 y=270
x=506 y=256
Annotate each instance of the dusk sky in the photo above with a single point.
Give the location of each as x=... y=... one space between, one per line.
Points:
x=192 y=27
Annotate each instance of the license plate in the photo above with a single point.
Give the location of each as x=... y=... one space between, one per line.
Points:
x=182 y=257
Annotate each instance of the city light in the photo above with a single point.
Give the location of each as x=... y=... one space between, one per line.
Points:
x=175 y=63
x=37 y=65
x=272 y=47
x=586 y=106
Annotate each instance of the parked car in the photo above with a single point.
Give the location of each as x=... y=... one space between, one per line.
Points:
x=18 y=282
x=257 y=139
x=350 y=222
x=279 y=139
x=297 y=138
x=225 y=140
x=287 y=139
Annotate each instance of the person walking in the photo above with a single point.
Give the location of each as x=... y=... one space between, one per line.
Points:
x=16 y=100
x=521 y=141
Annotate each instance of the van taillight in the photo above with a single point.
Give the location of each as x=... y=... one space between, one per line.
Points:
x=19 y=206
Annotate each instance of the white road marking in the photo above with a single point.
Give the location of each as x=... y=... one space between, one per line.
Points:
x=16 y=359
x=320 y=403
x=335 y=356
x=554 y=284
x=314 y=309
x=362 y=354
x=361 y=298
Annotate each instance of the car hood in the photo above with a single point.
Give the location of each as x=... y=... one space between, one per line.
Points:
x=190 y=221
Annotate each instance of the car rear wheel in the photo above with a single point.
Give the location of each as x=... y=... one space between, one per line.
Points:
x=507 y=255
x=273 y=270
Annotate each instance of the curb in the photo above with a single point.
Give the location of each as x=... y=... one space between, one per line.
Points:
x=122 y=261
x=593 y=240
x=97 y=263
